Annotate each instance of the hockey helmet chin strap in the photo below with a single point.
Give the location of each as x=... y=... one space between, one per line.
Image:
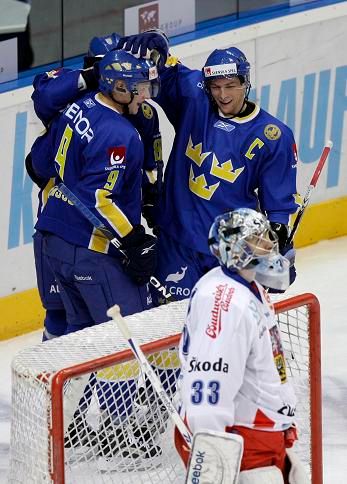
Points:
x=123 y=91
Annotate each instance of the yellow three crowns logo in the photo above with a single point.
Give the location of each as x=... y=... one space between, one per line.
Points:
x=223 y=171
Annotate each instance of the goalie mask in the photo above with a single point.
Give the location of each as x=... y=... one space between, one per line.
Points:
x=135 y=73
x=243 y=239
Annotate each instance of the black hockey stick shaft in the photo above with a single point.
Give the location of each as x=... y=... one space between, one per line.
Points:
x=98 y=224
x=311 y=186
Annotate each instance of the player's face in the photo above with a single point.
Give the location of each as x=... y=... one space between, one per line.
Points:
x=261 y=245
x=143 y=92
x=229 y=95
x=121 y=95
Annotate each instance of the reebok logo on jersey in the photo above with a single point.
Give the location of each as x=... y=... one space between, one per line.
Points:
x=225 y=126
x=83 y=278
x=219 y=365
x=89 y=103
x=222 y=298
x=117 y=155
x=147 y=249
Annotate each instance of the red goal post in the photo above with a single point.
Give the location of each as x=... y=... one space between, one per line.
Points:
x=143 y=450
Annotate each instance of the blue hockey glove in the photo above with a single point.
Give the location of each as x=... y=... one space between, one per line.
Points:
x=141 y=254
x=39 y=181
x=148 y=45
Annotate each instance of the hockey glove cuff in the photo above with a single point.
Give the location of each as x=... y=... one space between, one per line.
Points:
x=149 y=203
x=282 y=232
x=91 y=77
x=141 y=254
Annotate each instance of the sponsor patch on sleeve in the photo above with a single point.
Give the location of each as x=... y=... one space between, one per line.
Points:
x=117 y=155
x=295 y=151
x=53 y=74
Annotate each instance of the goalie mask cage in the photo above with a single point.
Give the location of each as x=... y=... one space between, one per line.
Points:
x=82 y=411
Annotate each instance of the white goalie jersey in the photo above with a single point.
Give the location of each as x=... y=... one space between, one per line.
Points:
x=233 y=366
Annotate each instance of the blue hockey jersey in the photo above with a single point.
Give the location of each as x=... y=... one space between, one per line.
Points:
x=219 y=164
x=99 y=156
x=54 y=90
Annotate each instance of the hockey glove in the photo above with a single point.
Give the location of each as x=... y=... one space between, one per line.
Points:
x=91 y=76
x=141 y=254
x=282 y=232
x=150 y=199
x=39 y=181
x=152 y=44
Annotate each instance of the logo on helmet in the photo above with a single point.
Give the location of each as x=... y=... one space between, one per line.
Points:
x=220 y=70
x=152 y=73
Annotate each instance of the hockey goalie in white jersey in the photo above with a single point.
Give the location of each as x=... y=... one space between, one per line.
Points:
x=233 y=376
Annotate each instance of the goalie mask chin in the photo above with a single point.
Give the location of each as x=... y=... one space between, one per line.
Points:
x=272 y=272
x=244 y=240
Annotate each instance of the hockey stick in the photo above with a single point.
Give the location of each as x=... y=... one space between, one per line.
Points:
x=96 y=222
x=216 y=456
x=313 y=183
x=115 y=314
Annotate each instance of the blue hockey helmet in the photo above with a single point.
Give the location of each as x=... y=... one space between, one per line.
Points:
x=227 y=63
x=99 y=46
x=120 y=65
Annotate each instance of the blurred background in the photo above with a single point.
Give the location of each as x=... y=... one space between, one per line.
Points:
x=56 y=30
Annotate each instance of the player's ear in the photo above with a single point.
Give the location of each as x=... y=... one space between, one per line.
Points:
x=120 y=86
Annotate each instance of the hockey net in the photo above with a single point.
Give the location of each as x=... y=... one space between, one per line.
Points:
x=84 y=412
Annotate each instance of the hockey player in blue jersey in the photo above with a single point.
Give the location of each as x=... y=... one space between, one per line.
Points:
x=53 y=91
x=227 y=153
x=98 y=154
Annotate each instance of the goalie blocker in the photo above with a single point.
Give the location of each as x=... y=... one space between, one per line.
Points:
x=216 y=458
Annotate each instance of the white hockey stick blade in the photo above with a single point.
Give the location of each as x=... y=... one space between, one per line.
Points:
x=215 y=458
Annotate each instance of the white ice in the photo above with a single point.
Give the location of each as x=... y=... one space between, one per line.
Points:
x=322 y=270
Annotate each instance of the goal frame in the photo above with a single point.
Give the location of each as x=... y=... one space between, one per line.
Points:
x=56 y=431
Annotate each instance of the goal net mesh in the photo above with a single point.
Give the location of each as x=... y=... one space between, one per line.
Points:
x=83 y=411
